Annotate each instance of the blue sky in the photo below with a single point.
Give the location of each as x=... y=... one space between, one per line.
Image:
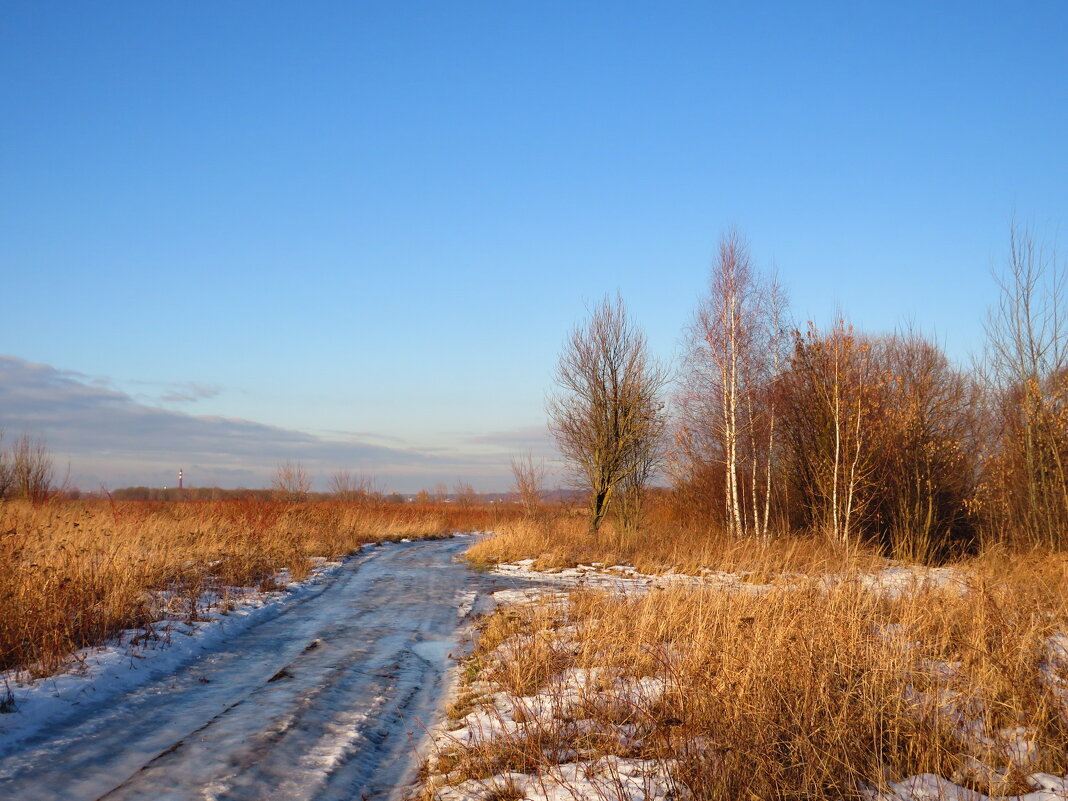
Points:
x=368 y=227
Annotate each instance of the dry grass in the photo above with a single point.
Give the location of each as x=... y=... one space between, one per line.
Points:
x=75 y=573
x=798 y=690
x=564 y=541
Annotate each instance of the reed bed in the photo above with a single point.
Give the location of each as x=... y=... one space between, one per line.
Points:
x=808 y=682
x=562 y=540
x=76 y=573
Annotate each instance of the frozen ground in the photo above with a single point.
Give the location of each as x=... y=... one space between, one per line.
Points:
x=324 y=692
x=889 y=582
x=94 y=676
x=498 y=717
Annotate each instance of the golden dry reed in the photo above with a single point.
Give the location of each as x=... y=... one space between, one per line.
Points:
x=805 y=690
x=561 y=539
x=75 y=573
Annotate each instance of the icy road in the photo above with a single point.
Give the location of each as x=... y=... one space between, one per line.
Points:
x=328 y=699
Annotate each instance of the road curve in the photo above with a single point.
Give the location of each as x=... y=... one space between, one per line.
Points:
x=327 y=700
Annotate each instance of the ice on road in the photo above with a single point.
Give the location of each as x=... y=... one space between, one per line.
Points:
x=327 y=700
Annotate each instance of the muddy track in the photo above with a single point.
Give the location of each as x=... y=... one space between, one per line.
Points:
x=327 y=700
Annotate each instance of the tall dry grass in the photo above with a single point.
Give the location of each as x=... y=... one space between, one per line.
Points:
x=75 y=573
x=564 y=540
x=808 y=690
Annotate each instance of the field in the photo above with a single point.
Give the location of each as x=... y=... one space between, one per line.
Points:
x=671 y=661
x=76 y=573
x=786 y=670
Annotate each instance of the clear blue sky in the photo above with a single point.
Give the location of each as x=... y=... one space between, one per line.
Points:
x=357 y=233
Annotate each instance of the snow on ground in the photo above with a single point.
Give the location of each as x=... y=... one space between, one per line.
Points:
x=609 y=777
x=327 y=691
x=558 y=710
x=892 y=581
x=137 y=656
x=929 y=787
x=498 y=718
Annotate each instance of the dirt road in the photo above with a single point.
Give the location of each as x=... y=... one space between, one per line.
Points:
x=327 y=700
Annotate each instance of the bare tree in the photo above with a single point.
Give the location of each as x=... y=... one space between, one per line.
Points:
x=630 y=500
x=606 y=416
x=291 y=482
x=832 y=393
x=1027 y=369
x=926 y=445
x=528 y=476
x=727 y=408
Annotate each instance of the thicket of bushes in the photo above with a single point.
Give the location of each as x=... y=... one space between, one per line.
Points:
x=776 y=428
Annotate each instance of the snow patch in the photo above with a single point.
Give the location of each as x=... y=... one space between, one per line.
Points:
x=610 y=777
x=136 y=657
x=562 y=707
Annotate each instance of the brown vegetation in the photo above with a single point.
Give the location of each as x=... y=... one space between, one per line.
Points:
x=528 y=478
x=74 y=573
x=802 y=469
x=874 y=439
x=798 y=691
x=561 y=538
x=27 y=470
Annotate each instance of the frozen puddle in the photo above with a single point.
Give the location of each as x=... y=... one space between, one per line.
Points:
x=328 y=699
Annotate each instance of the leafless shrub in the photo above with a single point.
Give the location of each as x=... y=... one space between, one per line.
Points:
x=291 y=482
x=465 y=494
x=348 y=486
x=32 y=472
x=6 y=477
x=926 y=444
x=528 y=476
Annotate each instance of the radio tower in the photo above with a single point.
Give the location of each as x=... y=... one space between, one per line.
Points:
x=179 y=480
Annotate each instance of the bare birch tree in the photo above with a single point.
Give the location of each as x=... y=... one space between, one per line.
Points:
x=728 y=411
x=606 y=416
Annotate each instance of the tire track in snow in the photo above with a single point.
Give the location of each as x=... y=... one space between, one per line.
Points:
x=327 y=701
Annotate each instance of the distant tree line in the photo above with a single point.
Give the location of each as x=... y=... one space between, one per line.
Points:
x=292 y=486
